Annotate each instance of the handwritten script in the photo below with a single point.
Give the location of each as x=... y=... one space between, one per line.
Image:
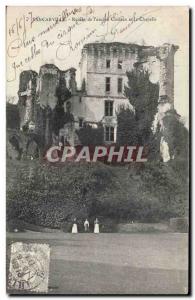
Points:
x=66 y=33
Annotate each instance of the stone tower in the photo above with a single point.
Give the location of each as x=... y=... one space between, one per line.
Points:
x=103 y=71
x=166 y=55
x=27 y=99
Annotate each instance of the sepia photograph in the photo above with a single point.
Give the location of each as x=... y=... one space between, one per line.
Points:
x=97 y=150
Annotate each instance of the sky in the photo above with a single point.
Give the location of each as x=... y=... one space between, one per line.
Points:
x=33 y=39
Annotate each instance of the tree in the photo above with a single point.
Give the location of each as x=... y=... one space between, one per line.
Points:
x=176 y=135
x=135 y=125
x=143 y=96
x=91 y=136
x=127 y=129
x=12 y=116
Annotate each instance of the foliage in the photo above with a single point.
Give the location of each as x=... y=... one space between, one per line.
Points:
x=143 y=96
x=12 y=116
x=127 y=127
x=91 y=136
x=176 y=135
x=50 y=196
x=135 y=125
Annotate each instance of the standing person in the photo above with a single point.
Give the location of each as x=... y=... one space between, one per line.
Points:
x=96 y=226
x=86 y=225
x=74 y=226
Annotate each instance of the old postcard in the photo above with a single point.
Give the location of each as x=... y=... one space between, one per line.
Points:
x=97 y=150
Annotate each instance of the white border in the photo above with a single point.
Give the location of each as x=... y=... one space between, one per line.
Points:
x=3 y=3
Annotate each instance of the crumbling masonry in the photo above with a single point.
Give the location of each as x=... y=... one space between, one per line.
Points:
x=52 y=106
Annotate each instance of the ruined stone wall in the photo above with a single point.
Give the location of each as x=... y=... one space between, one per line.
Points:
x=166 y=56
x=159 y=61
x=166 y=95
x=97 y=114
x=39 y=95
x=53 y=86
x=51 y=80
x=94 y=69
x=27 y=97
x=48 y=81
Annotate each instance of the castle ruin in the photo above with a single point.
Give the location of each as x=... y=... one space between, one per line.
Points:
x=51 y=105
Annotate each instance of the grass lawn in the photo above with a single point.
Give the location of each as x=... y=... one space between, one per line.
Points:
x=114 y=263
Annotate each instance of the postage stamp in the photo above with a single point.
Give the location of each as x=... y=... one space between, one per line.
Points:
x=97 y=149
x=29 y=267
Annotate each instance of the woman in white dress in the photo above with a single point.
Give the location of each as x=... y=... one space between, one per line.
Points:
x=74 y=227
x=96 y=226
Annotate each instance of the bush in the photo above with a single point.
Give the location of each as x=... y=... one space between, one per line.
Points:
x=91 y=136
x=52 y=196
